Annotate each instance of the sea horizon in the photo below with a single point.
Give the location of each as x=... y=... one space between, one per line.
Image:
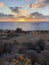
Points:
x=24 y=25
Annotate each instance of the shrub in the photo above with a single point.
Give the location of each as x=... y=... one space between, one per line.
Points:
x=41 y=60
x=22 y=50
x=1 y=30
x=15 y=42
x=42 y=31
x=47 y=47
x=2 y=61
x=1 y=47
x=8 y=31
x=41 y=44
x=31 y=54
x=19 y=30
x=45 y=55
x=38 y=50
x=29 y=45
x=44 y=58
x=7 y=47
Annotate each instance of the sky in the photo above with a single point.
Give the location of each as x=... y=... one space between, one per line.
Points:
x=24 y=10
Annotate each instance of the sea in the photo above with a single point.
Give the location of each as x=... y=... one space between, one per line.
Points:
x=24 y=25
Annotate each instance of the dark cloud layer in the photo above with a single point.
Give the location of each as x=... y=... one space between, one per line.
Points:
x=2 y=15
x=38 y=15
x=35 y=15
x=15 y=9
x=21 y=16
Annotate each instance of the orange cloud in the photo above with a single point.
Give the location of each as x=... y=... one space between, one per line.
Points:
x=19 y=11
x=1 y=4
x=24 y=12
x=39 y=4
x=23 y=20
x=32 y=17
x=36 y=5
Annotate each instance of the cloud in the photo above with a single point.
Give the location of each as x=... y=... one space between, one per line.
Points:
x=24 y=12
x=15 y=9
x=32 y=17
x=1 y=4
x=21 y=16
x=39 y=4
x=37 y=15
x=27 y=0
x=2 y=15
x=19 y=11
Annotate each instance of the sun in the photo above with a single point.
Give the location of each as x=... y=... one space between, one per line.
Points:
x=21 y=20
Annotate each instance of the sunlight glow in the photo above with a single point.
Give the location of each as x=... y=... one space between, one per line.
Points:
x=21 y=20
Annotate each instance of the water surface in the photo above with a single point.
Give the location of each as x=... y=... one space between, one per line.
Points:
x=25 y=26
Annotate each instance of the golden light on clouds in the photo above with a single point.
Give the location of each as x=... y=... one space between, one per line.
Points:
x=24 y=12
x=23 y=20
x=1 y=4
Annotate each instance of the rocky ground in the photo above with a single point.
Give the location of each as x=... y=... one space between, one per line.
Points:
x=18 y=47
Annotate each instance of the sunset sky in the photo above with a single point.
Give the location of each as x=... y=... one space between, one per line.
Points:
x=24 y=10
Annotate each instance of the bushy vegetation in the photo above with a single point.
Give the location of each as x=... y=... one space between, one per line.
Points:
x=7 y=47
x=29 y=45
x=26 y=53
x=41 y=44
x=19 y=30
x=1 y=47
